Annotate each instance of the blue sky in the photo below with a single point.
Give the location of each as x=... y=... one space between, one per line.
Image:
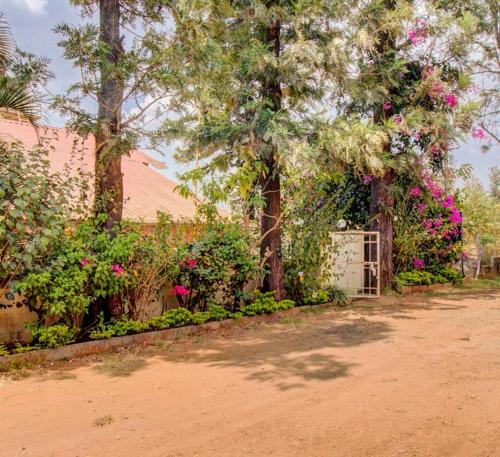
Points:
x=32 y=23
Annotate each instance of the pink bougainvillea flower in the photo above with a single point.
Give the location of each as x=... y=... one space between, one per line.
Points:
x=415 y=192
x=367 y=179
x=436 y=90
x=438 y=223
x=85 y=261
x=419 y=33
x=387 y=106
x=450 y=100
x=418 y=263
x=478 y=133
x=448 y=202
x=455 y=216
x=428 y=72
x=435 y=149
x=117 y=269
x=190 y=263
x=417 y=136
x=421 y=208
x=464 y=255
x=179 y=290
x=427 y=224
x=398 y=119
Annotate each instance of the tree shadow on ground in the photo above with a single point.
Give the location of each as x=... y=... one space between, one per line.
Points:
x=289 y=357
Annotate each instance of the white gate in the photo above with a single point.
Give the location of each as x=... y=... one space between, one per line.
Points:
x=353 y=263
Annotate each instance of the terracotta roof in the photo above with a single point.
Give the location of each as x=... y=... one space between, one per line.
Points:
x=146 y=191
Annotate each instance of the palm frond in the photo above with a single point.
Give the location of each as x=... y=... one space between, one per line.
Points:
x=6 y=43
x=19 y=99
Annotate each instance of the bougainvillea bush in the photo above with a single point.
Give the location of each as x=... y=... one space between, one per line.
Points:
x=215 y=268
x=428 y=225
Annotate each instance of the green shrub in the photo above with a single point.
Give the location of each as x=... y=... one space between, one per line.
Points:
x=20 y=349
x=338 y=297
x=53 y=336
x=217 y=312
x=176 y=317
x=320 y=296
x=200 y=317
x=215 y=268
x=420 y=277
x=265 y=303
x=417 y=277
x=3 y=350
x=452 y=275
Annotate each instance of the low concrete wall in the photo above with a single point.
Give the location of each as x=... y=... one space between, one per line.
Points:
x=102 y=346
x=409 y=290
x=13 y=315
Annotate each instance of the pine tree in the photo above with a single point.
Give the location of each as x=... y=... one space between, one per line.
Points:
x=254 y=75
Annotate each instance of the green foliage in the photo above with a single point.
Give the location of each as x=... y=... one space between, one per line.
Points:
x=420 y=277
x=317 y=297
x=35 y=205
x=53 y=336
x=338 y=297
x=216 y=267
x=265 y=303
x=20 y=349
x=81 y=269
x=118 y=327
x=3 y=350
x=176 y=317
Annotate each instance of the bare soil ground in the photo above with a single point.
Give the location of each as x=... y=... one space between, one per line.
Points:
x=394 y=377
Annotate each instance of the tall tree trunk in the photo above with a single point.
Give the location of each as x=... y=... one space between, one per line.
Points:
x=382 y=200
x=382 y=203
x=270 y=247
x=108 y=196
x=270 y=226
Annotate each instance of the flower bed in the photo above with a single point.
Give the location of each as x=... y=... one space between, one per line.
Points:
x=112 y=344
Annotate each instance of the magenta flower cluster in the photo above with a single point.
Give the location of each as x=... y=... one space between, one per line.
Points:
x=117 y=269
x=179 y=290
x=419 y=33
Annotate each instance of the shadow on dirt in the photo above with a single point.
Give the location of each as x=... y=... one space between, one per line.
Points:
x=290 y=357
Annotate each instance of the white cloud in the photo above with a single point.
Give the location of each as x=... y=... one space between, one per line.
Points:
x=33 y=6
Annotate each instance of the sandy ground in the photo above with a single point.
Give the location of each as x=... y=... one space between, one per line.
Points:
x=419 y=377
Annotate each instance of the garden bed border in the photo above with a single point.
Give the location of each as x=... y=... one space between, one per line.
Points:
x=420 y=289
x=72 y=351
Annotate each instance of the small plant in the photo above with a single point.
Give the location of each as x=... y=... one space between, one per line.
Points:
x=320 y=296
x=53 y=336
x=338 y=297
x=176 y=317
x=20 y=349
x=3 y=350
x=265 y=303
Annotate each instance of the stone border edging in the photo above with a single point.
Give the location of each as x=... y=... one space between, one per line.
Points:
x=419 y=289
x=76 y=350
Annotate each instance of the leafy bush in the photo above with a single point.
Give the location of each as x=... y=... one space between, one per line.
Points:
x=176 y=317
x=20 y=349
x=53 y=336
x=338 y=297
x=117 y=327
x=265 y=303
x=35 y=205
x=87 y=265
x=320 y=296
x=452 y=275
x=3 y=350
x=215 y=268
x=421 y=277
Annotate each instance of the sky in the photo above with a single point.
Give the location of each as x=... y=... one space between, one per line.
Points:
x=32 y=23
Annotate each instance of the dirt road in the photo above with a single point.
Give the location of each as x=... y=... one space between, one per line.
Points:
x=419 y=377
